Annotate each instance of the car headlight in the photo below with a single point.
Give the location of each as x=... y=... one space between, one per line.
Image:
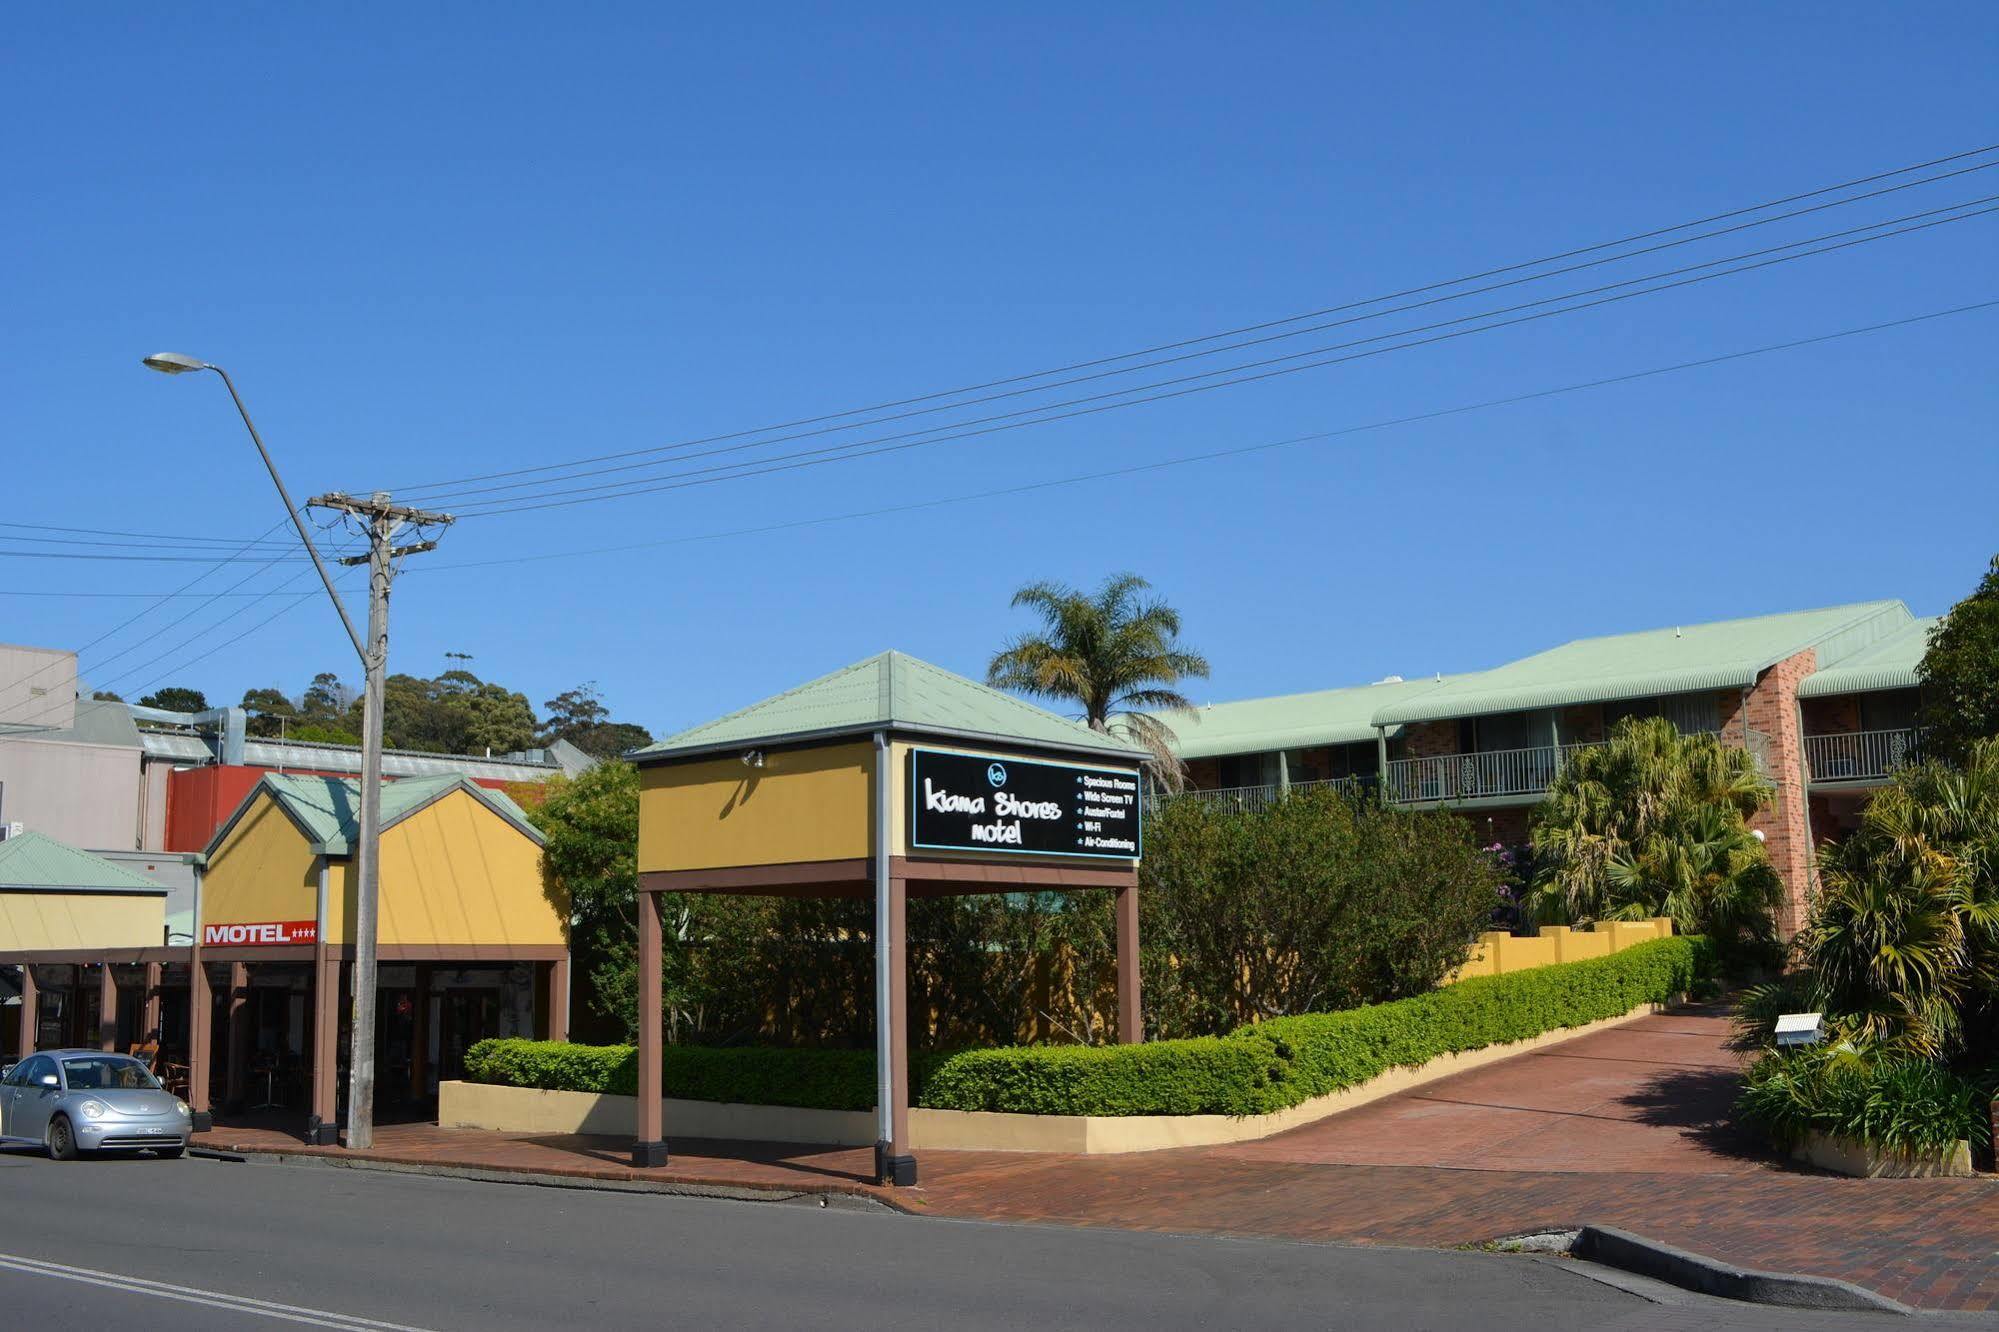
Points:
x=183 y=1109
x=91 y=1109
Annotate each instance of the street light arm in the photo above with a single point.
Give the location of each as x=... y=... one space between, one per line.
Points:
x=326 y=578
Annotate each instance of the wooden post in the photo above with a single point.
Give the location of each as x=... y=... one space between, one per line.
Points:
x=420 y=1035
x=649 y=1149
x=901 y=1163
x=1130 y=1029
x=151 y=1019
x=31 y=1005
x=236 y=1061
x=200 y=1017
x=557 y=999
x=322 y=1127
x=107 y=1006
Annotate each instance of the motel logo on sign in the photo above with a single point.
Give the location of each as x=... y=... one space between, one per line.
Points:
x=262 y=932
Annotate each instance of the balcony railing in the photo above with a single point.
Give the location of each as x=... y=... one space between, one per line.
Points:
x=1497 y=772
x=1859 y=756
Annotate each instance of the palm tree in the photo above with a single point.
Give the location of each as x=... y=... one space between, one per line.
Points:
x=1651 y=823
x=1903 y=942
x=1114 y=653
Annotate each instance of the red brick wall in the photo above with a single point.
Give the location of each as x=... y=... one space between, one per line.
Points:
x=1508 y=827
x=1773 y=711
x=1430 y=739
x=1830 y=716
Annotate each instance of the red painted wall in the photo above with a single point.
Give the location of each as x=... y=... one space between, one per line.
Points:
x=200 y=800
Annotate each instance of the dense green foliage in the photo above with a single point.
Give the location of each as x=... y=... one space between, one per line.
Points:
x=1899 y=1103
x=579 y=716
x=1902 y=947
x=1262 y=1067
x=1960 y=674
x=1113 y=653
x=175 y=698
x=1655 y=823
x=1315 y=902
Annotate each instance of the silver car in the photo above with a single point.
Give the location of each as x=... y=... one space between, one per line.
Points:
x=76 y=1101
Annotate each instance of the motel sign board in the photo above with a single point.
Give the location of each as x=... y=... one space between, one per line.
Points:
x=988 y=803
x=262 y=932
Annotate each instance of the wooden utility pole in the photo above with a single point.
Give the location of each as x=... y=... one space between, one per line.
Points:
x=383 y=521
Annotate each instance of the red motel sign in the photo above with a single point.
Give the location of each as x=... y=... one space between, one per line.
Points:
x=263 y=932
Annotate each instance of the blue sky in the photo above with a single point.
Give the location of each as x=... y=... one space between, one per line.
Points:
x=433 y=242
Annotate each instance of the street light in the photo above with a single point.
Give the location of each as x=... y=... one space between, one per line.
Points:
x=373 y=655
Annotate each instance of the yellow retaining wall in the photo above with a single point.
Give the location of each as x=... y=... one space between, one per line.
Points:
x=1497 y=953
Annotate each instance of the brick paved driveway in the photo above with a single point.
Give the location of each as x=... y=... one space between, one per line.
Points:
x=1625 y=1128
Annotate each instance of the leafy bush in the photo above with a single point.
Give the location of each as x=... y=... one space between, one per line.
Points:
x=1315 y=902
x=1889 y=1101
x=1655 y=823
x=1258 y=1069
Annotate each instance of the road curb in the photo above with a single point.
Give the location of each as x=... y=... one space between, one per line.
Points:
x=1708 y=1276
x=830 y=1194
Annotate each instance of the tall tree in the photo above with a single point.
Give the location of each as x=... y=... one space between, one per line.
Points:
x=579 y=716
x=1115 y=653
x=271 y=713
x=1960 y=674
x=176 y=698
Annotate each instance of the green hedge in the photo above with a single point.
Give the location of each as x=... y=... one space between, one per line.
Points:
x=1255 y=1070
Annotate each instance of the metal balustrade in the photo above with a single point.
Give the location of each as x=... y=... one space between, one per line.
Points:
x=1858 y=756
x=1497 y=772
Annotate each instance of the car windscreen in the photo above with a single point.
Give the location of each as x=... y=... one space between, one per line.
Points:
x=107 y=1073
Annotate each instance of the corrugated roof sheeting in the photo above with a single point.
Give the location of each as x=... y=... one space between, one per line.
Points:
x=35 y=860
x=1290 y=721
x=182 y=747
x=1887 y=663
x=1726 y=654
x=328 y=809
x=895 y=691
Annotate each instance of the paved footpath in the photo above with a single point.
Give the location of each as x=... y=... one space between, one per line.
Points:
x=1624 y=1128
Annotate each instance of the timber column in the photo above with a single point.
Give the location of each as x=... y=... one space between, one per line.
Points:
x=322 y=1128
x=107 y=1007
x=237 y=1059
x=200 y=1017
x=31 y=1005
x=151 y=1019
x=899 y=1167
x=650 y=1148
x=1130 y=1030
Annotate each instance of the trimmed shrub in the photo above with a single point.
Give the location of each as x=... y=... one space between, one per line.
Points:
x=1894 y=1102
x=1254 y=1071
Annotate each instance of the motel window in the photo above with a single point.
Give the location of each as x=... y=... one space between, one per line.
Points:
x=1888 y=710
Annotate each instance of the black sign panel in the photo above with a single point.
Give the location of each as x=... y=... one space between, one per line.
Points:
x=984 y=803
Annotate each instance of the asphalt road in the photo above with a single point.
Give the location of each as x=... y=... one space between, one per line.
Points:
x=207 y=1244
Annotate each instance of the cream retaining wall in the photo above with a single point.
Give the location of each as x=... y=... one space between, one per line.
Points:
x=1864 y=1160
x=528 y=1110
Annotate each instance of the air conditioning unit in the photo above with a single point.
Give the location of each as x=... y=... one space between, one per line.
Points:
x=10 y=830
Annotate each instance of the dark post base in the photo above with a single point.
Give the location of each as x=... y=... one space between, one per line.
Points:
x=203 y=1121
x=897 y=1170
x=645 y=1155
x=319 y=1134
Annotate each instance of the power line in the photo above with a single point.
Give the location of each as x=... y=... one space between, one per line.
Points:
x=113 y=532
x=1186 y=459
x=887 y=444
x=1276 y=323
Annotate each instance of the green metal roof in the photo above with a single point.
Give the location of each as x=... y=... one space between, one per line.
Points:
x=1290 y=721
x=1886 y=663
x=896 y=692
x=36 y=861
x=1727 y=654
x=328 y=809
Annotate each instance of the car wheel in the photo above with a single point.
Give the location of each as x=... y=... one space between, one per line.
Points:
x=62 y=1139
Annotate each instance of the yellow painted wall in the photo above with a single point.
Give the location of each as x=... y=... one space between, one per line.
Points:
x=1497 y=953
x=899 y=823
x=454 y=872
x=82 y=922
x=264 y=871
x=802 y=805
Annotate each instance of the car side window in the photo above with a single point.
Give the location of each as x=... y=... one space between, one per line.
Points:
x=31 y=1070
